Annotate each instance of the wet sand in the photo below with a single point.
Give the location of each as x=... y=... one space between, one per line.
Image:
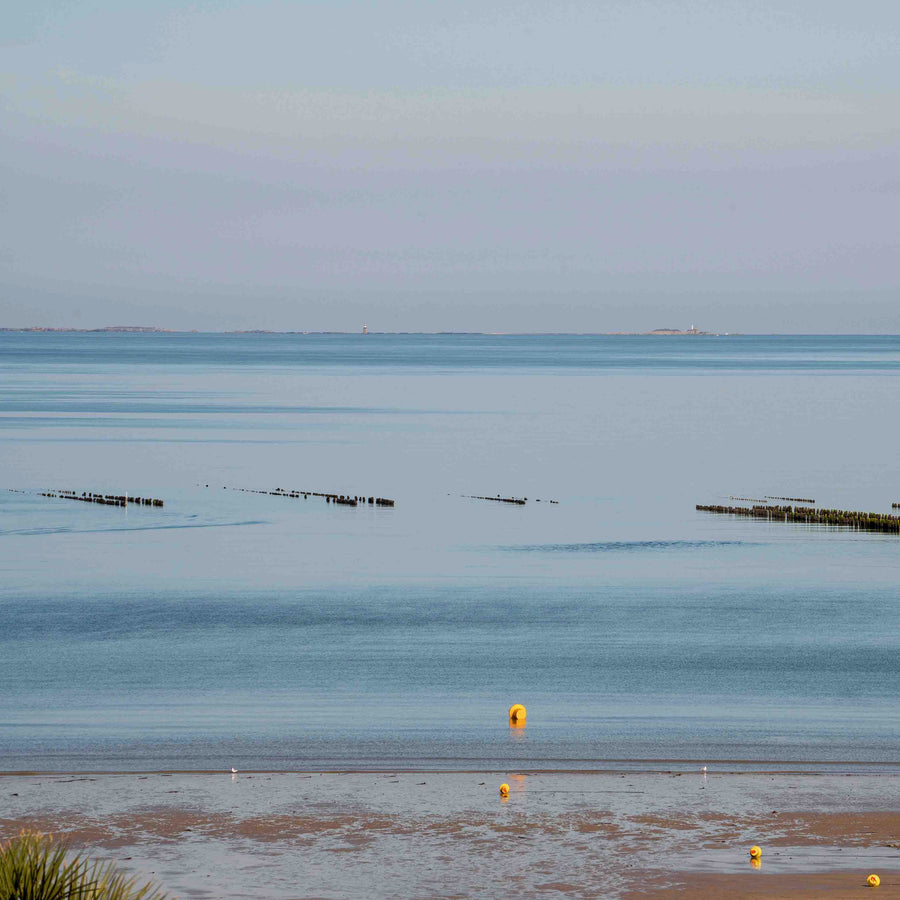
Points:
x=629 y=835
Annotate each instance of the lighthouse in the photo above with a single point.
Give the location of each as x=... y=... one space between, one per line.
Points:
x=365 y=329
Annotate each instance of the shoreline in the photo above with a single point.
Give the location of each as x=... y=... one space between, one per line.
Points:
x=734 y=767
x=438 y=834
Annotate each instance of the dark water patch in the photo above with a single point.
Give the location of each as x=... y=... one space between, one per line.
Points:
x=106 y=439
x=625 y=546
x=138 y=404
x=373 y=615
x=68 y=529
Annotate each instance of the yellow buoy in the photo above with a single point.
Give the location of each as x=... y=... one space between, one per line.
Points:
x=755 y=852
x=517 y=714
x=873 y=881
x=504 y=789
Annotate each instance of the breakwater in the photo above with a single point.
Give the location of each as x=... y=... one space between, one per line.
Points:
x=103 y=499
x=765 y=500
x=516 y=501
x=843 y=518
x=339 y=499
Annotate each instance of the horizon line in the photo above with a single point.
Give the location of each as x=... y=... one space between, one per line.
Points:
x=659 y=332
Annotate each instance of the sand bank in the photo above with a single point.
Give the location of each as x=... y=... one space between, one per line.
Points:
x=372 y=835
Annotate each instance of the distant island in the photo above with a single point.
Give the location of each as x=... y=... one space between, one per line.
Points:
x=690 y=330
x=668 y=332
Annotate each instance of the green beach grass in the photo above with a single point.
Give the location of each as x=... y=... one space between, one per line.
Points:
x=35 y=867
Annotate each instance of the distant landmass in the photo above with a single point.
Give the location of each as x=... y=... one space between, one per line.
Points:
x=153 y=329
x=139 y=329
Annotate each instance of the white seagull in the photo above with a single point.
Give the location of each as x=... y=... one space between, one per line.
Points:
x=233 y=770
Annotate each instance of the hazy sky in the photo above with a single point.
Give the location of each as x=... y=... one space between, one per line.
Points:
x=554 y=166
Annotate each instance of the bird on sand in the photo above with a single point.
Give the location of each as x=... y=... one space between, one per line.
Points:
x=233 y=770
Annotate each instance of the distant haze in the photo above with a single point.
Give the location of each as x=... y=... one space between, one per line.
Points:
x=575 y=166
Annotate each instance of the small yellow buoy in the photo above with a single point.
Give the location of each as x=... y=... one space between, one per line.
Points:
x=873 y=881
x=517 y=714
x=755 y=852
x=504 y=789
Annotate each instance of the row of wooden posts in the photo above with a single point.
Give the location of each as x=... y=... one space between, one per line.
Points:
x=341 y=499
x=103 y=499
x=517 y=501
x=845 y=518
x=765 y=500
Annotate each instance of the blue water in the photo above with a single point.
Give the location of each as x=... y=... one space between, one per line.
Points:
x=234 y=628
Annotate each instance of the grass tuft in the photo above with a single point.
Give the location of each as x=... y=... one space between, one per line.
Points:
x=35 y=867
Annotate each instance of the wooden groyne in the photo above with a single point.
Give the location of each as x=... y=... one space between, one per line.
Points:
x=895 y=506
x=843 y=518
x=103 y=499
x=518 y=501
x=340 y=499
x=765 y=500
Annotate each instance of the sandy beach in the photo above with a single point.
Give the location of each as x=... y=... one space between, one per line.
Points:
x=415 y=834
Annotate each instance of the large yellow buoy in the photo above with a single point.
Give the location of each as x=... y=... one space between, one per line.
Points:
x=504 y=789
x=873 y=881
x=755 y=852
x=517 y=714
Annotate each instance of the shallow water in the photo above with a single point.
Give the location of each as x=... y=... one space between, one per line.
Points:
x=233 y=628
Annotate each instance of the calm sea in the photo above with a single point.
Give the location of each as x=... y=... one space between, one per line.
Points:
x=236 y=628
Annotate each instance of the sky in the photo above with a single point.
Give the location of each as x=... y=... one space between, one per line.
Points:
x=567 y=166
